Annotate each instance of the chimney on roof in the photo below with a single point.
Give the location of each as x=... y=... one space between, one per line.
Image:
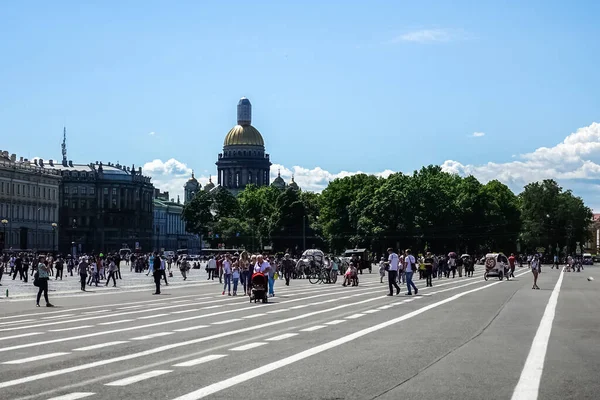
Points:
x=51 y=162
x=21 y=159
x=71 y=163
x=35 y=161
x=13 y=157
x=41 y=163
x=140 y=170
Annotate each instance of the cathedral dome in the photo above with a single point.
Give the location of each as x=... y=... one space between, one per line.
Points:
x=279 y=183
x=244 y=135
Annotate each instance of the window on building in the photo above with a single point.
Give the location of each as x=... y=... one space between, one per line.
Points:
x=92 y=191
x=83 y=204
x=66 y=203
x=74 y=205
x=44 y=192
x=114 y=191
x=75 y=190
x=66 y=190
x=38 y=191
x=29 y=190
x=114 y=203
x=106 y=191
x=53 y=194
x=84 y=190
x=2 y=187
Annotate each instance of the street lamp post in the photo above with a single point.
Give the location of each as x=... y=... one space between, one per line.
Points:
x=4 y=223
x=73 y=244
x=54 y=225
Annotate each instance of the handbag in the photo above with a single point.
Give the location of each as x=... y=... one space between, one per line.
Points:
x=36 y=279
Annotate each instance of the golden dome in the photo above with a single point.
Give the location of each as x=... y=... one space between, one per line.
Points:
x=244 y=135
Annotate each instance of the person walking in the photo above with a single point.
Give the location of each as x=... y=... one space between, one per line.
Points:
x=83 y=271
x=535 y=269
x=157 y=274
x=409 y=266
x=112 y=273
x=60 y=265
x=211 y=267
x=226 y=268
x=42 y=281
x=392 y=270
x=428 y=261
x=288 y=268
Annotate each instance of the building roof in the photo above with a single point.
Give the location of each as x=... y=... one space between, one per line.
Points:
x=244 y=135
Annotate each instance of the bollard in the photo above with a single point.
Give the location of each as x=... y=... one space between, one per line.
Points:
x=6 y=292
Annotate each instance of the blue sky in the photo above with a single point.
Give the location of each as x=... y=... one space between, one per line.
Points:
x=336 y=86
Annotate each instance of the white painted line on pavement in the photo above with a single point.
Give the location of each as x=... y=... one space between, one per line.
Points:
x=154 y=335
x=282 y=337
x=335 y=322
x=300 y=306
x=152 y=316
x=248 y=346
x=191 y=328
x=138 y=378
x=248 y=375
x=35 y=358
x=227 y=321
x=355 y=316
x=73 y=396
x=121 y=321
x=209 y=307
x=185 y=311
x=254 y=316
x=94 y=312
x=58 y=372
x=58 y=316
x=385 y=307
x=180 y=301
x=312 y=328
x=528 y=386
x=73 y=328
x=22 y=335
x=16 y=322
x=277 y=311
x=101 y=345
x=371 y=311
x=131 y=307
x=200 y=360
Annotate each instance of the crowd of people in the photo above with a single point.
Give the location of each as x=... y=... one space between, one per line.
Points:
x=234 y=271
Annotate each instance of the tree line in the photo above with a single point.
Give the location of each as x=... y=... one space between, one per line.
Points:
x=428 y=210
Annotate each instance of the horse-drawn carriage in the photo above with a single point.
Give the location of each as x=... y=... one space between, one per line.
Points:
x=360 y=258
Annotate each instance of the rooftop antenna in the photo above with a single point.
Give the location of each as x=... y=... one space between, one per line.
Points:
x=64 y=145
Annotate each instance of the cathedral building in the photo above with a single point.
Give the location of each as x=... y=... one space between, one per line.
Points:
x=243 y=160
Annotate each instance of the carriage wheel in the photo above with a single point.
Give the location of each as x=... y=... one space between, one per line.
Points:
x=314 y=278
x=485 y=276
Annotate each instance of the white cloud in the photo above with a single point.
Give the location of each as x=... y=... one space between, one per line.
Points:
x=152 y=133
x=315 y=179
x=574 y=163
x=170 y=175
x=478 y=134
x=426 y=35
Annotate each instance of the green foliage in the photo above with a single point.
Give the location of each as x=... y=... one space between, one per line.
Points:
x=428 y=209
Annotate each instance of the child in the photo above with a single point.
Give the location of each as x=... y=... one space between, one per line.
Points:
x=236 y=278
x=351 y=275
x=381 y=269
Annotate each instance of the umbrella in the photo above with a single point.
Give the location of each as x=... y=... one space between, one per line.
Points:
x=452 y=254
x=465 y=256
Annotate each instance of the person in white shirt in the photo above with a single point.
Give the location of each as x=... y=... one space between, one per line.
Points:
x=211 y=267
x=227 y=275
x=535 y=269
x=382 y=266
x=392 y=264
x=410 y=264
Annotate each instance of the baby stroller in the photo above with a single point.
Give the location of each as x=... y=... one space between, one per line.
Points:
x=259 y=288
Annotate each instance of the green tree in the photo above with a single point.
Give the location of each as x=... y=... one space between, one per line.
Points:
x=197 y=214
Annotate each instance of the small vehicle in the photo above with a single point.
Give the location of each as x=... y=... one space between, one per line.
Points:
x=124 y=253
x=587 y=259
x=361 y=258
x=259 y=288
x=496 y=265
x=310 y=263
x=169 y=254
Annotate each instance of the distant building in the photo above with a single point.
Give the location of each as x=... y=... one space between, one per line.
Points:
x=29 y=203
x=169 y=227
x=243 y=160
